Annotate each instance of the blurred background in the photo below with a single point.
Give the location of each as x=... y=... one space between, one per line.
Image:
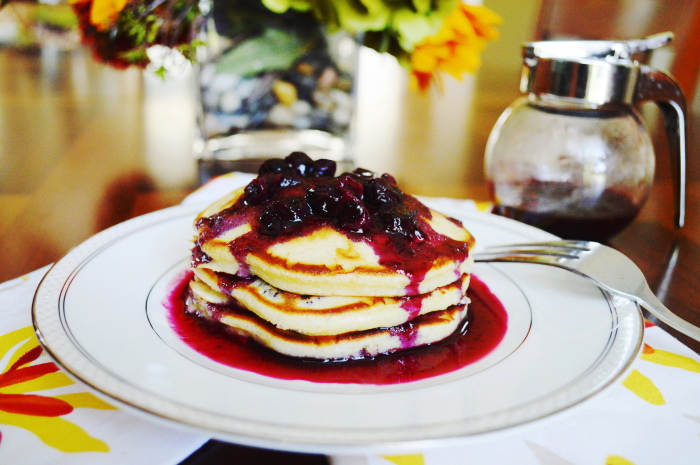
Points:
x=76 y=135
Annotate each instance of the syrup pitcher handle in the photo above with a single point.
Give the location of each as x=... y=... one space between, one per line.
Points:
x=662 y=88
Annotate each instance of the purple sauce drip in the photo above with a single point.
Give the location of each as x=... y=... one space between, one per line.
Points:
x=407 y=334
x=413 y=306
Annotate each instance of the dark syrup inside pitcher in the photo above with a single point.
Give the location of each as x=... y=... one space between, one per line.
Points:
x=598 y=221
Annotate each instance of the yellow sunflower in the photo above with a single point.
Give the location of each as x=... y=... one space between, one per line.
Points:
x=456 y=48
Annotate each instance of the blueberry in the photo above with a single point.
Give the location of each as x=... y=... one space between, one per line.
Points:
x=301 y=162
x=363 y=173
x=287 y=179
x=324 y=201
x=257 y=191
x=324 y=168
x=400 y=224
x=389 y=178
x=284 y=215
x=380 y=194
x=274 y=165
x=348 y=184
x=353 y=215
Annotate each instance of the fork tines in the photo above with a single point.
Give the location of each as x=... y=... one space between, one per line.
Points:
x=562 y=249
x=559 y=244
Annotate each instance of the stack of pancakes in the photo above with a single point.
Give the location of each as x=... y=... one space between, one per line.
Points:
x=321 y=286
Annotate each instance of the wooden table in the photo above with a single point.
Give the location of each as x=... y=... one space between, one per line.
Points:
x=79 y=152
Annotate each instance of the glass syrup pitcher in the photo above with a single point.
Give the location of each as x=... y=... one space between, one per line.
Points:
x=573 y=156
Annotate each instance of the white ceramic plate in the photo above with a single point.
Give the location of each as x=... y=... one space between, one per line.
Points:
x=98 y=312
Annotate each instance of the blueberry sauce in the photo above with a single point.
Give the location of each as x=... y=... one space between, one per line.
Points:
x=413 y=305
x=407 y=334
x=487 y=324
x=295 y=196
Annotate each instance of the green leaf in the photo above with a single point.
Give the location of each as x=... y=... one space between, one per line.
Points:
x=278 y=6
x=189 y=51
x=413 y=28
x=422 y=6
x=362 y=15
x=274 y=49
x=300 y=5
x=60 y=16
x=135 y=56
x=325 y=13
x=160 y=72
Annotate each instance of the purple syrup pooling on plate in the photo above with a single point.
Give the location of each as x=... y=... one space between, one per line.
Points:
x=485 y=328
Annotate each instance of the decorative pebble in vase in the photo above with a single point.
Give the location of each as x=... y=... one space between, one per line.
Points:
x=271 y=84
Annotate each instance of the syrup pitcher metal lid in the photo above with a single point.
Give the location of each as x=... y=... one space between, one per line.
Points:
x=600 y=73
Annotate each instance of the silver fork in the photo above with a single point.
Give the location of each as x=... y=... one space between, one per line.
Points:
x=605 y=266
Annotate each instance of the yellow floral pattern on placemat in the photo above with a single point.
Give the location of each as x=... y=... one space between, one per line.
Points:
x=663 y=357
x=644 y=387
x=412 y=459
x=42 y=415
x=617 y=460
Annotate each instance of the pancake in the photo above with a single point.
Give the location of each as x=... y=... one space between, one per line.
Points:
x=423 y=330
x=323 y=315
x=333 y=268
x=322 y=257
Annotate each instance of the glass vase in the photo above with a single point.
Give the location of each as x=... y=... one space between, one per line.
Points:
x=270 y=84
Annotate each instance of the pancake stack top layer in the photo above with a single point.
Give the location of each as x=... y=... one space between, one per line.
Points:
x=320 y=260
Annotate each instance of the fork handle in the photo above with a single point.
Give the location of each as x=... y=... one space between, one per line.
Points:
x=648 y=300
